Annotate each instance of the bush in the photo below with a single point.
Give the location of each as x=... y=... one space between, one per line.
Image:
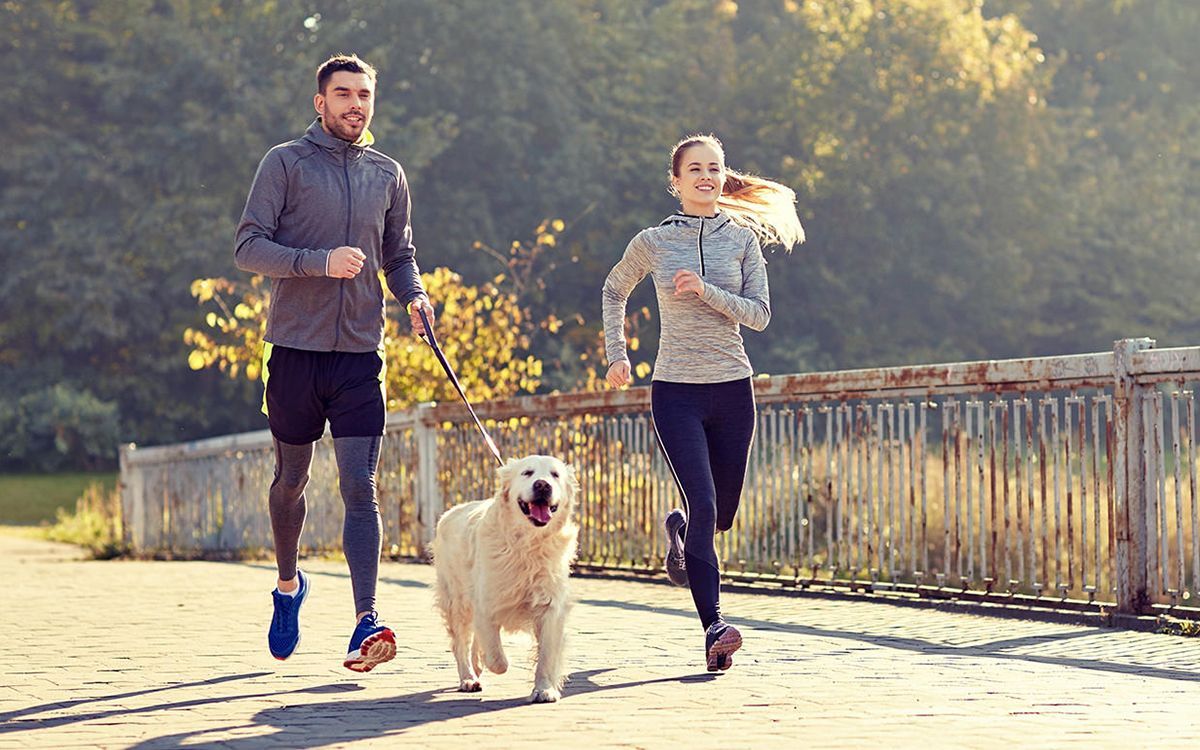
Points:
x=95 y=524
x=58 y=428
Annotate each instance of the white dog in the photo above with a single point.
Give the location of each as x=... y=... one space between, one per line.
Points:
x=502 y=564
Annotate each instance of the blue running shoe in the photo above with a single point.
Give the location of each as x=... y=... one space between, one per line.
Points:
x=720 y=641
x=676 y=565
x=371 y=645
x=284 y=635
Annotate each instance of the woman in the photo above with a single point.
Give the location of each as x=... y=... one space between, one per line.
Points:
x=710 y=278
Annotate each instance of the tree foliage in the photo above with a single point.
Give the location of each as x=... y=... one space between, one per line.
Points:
x=483 y=330
x=979 y=178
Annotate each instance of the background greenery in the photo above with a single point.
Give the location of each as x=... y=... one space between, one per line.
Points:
x=37 y=498
x=979 y=178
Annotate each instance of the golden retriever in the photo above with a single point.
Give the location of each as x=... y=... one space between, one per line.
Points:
x=503 y=564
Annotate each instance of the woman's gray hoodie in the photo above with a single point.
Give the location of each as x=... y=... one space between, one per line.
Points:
x=700 y=339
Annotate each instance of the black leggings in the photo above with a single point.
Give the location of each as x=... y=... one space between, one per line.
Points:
x=705 y=431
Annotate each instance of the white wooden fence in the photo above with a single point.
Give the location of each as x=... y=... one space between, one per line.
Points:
x=1066 y=480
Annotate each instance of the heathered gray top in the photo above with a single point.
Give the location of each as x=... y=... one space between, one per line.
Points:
x=310 y=196
x=700 y=339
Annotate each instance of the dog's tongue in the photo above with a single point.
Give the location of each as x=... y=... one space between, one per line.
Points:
x=539 y=512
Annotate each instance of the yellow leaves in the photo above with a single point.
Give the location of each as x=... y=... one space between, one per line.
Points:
x=634 y=343
x=233 y=348
x=481 y=331
x=642 y=369
x=546 y=233
x=202 y=290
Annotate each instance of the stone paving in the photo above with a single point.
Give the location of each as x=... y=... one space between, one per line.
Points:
x=127 y=654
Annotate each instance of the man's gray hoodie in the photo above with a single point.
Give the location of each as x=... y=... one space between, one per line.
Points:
x=700 y=339
x=312 y=195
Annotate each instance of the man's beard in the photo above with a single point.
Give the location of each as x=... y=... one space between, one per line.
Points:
x=340 y=129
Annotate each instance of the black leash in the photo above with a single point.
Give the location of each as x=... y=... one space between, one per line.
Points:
x=437 y=350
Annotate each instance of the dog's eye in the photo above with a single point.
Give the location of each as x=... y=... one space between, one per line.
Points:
x=554 y=474
x=527 y=473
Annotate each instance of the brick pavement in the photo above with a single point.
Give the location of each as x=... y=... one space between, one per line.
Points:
x=173 y=654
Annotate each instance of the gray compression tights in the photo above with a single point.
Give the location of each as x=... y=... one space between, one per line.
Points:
x=357 y=459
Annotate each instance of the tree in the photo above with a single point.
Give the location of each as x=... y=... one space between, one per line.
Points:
x=483 y=331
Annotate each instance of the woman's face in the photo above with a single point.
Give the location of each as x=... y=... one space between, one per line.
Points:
x=700 y=180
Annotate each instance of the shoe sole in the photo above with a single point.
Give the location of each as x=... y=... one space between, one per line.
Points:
x=301 y=597
x=376 y=649
x=720 y=654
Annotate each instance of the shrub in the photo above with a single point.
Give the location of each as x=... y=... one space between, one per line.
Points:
x=95 y=524
x=57 y=428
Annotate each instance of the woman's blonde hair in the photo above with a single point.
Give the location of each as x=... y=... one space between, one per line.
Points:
x=764 y=207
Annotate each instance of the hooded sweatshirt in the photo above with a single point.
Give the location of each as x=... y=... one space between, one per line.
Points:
x=312 y=195
x=700 y=337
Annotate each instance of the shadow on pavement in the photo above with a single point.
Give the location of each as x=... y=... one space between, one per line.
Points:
x=8 y=725
x=998 y=649
x=337 y=722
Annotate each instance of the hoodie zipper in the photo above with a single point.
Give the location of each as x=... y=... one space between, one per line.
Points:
x=337 y=330
x=700 y=245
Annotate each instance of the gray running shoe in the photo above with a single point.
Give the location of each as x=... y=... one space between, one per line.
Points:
x=676 y=565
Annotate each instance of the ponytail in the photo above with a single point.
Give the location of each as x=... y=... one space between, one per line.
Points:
x=764 y=207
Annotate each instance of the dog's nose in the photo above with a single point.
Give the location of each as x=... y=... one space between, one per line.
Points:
x=541 y=488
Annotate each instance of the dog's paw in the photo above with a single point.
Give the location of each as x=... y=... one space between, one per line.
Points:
x=497 y=663
x=545 y=695
x=470 y=686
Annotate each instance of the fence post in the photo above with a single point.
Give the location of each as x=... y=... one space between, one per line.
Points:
x=428 y=501
x=1129 y=476
x=133 y=499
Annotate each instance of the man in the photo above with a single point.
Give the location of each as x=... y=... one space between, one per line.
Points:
x=326 y=214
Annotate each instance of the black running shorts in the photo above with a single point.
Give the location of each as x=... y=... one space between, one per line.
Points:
x=304 y=389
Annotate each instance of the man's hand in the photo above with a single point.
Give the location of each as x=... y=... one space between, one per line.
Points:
x=618 y=374
x=345 y=262
x=414 y=317
x=688 y=281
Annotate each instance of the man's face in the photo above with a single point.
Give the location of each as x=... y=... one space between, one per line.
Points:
x=346 y=104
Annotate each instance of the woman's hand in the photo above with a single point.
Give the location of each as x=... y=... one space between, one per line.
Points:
x=688 y=281
x=618 y=374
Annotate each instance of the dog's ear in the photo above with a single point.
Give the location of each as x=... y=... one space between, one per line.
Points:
x=504 y=477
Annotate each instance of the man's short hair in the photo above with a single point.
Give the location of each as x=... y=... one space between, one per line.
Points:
x=350 y=63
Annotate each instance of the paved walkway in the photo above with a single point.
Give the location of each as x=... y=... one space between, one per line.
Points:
x=173 y=654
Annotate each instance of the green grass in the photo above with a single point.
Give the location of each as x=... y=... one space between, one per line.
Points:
x=36 y=498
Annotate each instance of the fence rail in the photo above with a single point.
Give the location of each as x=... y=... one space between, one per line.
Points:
x=1064 y=480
